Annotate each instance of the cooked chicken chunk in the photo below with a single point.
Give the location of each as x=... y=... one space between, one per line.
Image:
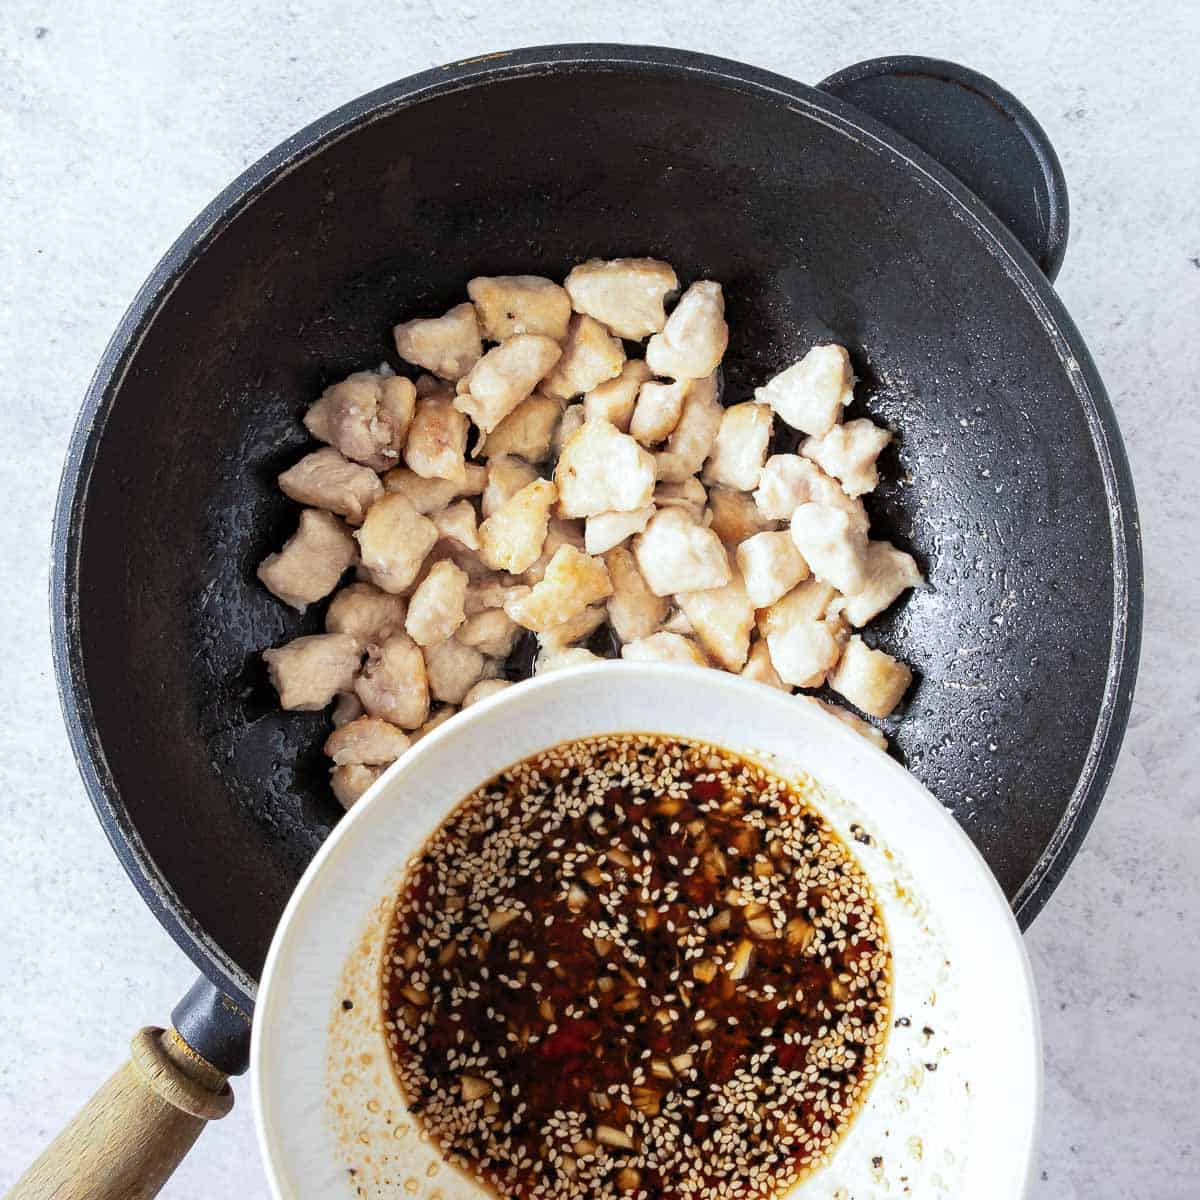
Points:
x=394 y=540
x=492 y=632
x=575 y=629
x=493 y=592
x=504 y=377
x=688 y=495
x=666 y=648
x=393 y=684
x=626 y=294
x=694 y=338
x=484 y=690
x=760 y=668
x=457 y=523
x=734 y=517
x=771 y=565
x=692 y=440
x=558 y=658
x=675 y=554
x=573 y=581
x=787 y=481
x=741 y=447
x=368 y=742
x=327 y=479
x=512 y=537
x=848 y=452
x=309 y=671
x=870 y=679
x=808 y=601
x=439 y=717
x=889 y=572
x=560 y=532
x=453 y=670
x=351 y=781
x=591 y=355
x=659 y=407
x=573 y=418
x=312 y=560
x=509 y=305
x=527 y=431
x=430 y=495
x=437 y=441
x=804 y=653
x=603 y=470
x=449 y=345
x=833 y=544
x=861 y=727
x=634 y=610
x=606 y=530
x=811 y=394
x=366 y=417
x=614 y=399
x=722 y=618
x=678 y=622
x=346 y=708
x=506 y=476
x=436 y=608
x=366 y=613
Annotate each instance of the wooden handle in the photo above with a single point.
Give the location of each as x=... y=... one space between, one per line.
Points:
x=125 y=1142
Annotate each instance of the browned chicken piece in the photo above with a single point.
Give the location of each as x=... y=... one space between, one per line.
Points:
x=833 y=544
x=484 y=690
x=811 y=393
x=603 y=470
x=626 y=294
x=309 y=671
x=741 y=447
x=693 y=341
x=558 y=658
x=528 y=431
x=504 y=377
x=606 y=530
x=453 y=670
x=678 y=622
x=346 y=708
x=312 y=560
x=861 y=727
x=351 y=781
x=722 y=618
x=666 y=648
x=659 y=407
x=512 y=304
x=614 y=399
x=457 y=523
x=870 y=679
x=573 y=580
x=771 y=566
x=560 y=532
x=689 y=494
x=365 y=612
x=393 y=684
x=437 y=441
x=512 y=537
x=327 y=479
x=430 y=495
x=492 y=632
x=692 y=440
x=574 y=629
x=591 y=355
x=366 y=417
x=760 y=668
x=449 y=345
x=436 y=608
x=889 y=572
x=439 y=717
x=494 y=591
x=573 y=418
x=734 y=517
x=506 y=477
x=677 y=555
x=368 y=742
x=394 y=541
x=848 y=453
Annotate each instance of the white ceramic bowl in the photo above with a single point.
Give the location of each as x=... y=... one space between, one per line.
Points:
x=956 y=1107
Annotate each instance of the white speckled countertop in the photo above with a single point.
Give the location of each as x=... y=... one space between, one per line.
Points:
x=119 y=121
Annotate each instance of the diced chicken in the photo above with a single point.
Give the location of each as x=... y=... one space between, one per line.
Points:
x=462 y=557
x=458 y=524
x=808 y=601
x=771 y=565
x=393 y=684
x=864 y=728
x=309 y=671
x=453 y=670
x=560 y=532
x=512 y=537
x=394 y=540
x=558 y=658
x=436 y=608
x=346 y=708
x=603 y=470
x=833 y=544
x=506 y=476
x=437 y=441
x=366 y=417
x=484 y=690
x=634 y=610
x=449 y=345
x=659 y=407
x=760 y=668
x=675 y=554
x=870 y=679
x=787 y=481
x=312 y=560
x=327 y=479
x=614 y=399
x=366 y=613
x=493 y=592
x=492 y=632
x=573 y=581
x=367 y=741
x=741 y=447
x=811 y=393
x=694 y=338
x=688 y=495
x=351 y=781
x=805 y=652
x=722 y=618
x=513 y=304
x=575 y=629
x=733 y=516
x=679 y=622
x=606 y=530
x=848 y=452
x=504 y=377
x=692 y=440
x=666 y=648
x=889 y=572
x=430 y=495
x=527 y=431
x=439 y=717
x=626 y=294
x=573 y=418
x=591 y=355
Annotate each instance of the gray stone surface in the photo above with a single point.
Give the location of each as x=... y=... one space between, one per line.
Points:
x=118 y=121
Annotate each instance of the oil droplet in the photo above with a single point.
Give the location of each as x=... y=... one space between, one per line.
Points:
x=373 y=1106
x=433 y=1169
x=411 y=1186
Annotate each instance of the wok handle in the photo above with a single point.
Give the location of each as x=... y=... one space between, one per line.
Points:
x=979 y=132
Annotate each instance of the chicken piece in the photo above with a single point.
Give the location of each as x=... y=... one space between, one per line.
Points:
x=734 y=517
x=466 y=560
x=614 y=399
x=771 y=566
x=659 y=407
x=492 y=632
x=312 y=560
x=430 y=495
x=368 y=742
x=504 y=377
x=453 y=670
x=366 y=613
x=679 y=622
x=666 y=648
x=512 y=537
x=692 y=440
x=449 y=345
x=861 y=727
x=440 y=716
x=351 y=781
x=811 y=393
x=485 y=689
x=575 y=629
x=741 y=447
x=560 y=532
x=573 y=580
x=572 y=421
x=509 y=305
x=805 y=652
x=591 y=355
x=787 y=481
x=626 y=294
x=848 y=452
x=365 y=417
x=457 y=523
x=606 y=530
x=889 y=572
x=506 y=477
x=809 y=601
x=722 y=618
x=527 y=431
x=833 y=544
x=346 y=708
x=495 y=591
x=689 y=495
x=394 y=541
x=694 y=339
x=760 y=668
x=603 y=470
x=327 y=479
x=437 y=441
x=870 y=679
x=675 y=554
x=309 y=671
x=634 y=610
x=436 y=608
x=393 y=684
x=558 y=658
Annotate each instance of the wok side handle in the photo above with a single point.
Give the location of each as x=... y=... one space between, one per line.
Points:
x=135 y=1130
x=979 y=132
